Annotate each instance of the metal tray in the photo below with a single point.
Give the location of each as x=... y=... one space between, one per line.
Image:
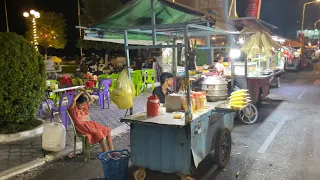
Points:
x=224 y=107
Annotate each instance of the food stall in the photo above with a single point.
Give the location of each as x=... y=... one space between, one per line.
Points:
x=177 y=136
x=257 y=68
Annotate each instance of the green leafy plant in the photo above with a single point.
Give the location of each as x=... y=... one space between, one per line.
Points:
x=51 y=29
x=201 y=57
x=23 y=81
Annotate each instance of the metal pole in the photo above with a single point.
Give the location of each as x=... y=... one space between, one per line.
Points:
x=5 y=10
x=209 y=51
x=304 y=10
x=174 y=64
x=80 y=31
x=232 y=74
x=153 y=22
x=186 y=68
x=127 y=58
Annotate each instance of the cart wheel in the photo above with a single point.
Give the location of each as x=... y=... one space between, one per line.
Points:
x=249 y=114
x=184 y=177
x=139 y=174
x=278 y=83
x=222 y=148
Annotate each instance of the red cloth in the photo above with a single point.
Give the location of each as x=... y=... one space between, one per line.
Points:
x=95 y=132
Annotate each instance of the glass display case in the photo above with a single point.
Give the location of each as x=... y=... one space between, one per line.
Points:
x=239 y=68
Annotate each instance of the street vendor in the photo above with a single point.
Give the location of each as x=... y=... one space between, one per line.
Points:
x=166 y=80
x=95 y=132
x=219 y=65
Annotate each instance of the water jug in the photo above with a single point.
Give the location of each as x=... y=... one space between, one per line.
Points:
x=53 y=137
x=153 y=105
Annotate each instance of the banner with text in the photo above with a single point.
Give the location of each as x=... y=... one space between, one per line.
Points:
x=253 y=8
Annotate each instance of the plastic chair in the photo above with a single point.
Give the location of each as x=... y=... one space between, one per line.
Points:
x=61 y=109
x=103 y=92
x=103 y=76
x=149 y=77
x=136 y=77
x=66 y=80
x=50 y=103
x=114 y=77
x=77 y=82
x=53 y=96
x=86 y=147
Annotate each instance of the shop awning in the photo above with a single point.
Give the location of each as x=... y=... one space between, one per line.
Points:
x=136 y=18
x=291 y=43
x=253 y=25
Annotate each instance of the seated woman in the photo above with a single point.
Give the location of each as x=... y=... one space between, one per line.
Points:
x=79 y=112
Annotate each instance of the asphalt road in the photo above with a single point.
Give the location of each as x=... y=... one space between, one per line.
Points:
x=282 y=145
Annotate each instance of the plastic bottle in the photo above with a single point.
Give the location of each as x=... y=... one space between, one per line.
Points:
x=197 y=97
x=193 y=103
x=184 y=103
x=204 y=98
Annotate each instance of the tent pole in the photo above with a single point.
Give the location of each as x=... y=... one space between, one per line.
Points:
x=186 y=69
x=209 y=51
x=174 y=64
x=153 y=21
x=127 y=58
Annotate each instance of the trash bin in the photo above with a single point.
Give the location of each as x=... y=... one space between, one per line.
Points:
x=115 y=164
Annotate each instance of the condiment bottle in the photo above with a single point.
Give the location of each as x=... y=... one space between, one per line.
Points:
x=184 y=103
x=193 y=103
x=198 y=100
x=204 y=97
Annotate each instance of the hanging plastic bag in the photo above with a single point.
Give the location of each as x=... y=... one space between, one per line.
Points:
x=124 y=92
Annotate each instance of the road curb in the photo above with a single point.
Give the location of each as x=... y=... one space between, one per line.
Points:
x=9 y=173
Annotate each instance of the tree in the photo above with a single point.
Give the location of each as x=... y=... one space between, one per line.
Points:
x=51 y=29
x=94 y=11
x=22 y=79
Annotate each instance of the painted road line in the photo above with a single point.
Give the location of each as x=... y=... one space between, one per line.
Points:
x=302 y=93
x=272 y=135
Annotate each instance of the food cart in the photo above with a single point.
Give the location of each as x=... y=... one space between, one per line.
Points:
x=258 y=67
x=165 y=143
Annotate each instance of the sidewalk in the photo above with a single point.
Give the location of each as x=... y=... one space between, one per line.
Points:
x=17 y=153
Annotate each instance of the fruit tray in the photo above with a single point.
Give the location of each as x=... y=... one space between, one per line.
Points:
x=225 y=107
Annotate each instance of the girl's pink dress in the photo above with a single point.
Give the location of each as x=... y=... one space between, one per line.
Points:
x=95 y=132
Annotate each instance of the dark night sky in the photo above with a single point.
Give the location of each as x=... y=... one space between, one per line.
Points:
x=286 y=14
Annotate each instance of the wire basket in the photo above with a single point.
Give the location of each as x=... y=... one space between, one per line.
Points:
x=115 y=164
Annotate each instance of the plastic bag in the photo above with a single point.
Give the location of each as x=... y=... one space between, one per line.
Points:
x=124 y=91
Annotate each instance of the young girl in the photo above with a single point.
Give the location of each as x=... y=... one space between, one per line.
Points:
x=79 y=112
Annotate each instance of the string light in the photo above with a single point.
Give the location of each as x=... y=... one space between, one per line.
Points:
x=34 y=15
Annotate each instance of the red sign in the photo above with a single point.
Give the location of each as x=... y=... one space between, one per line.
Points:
x=253 y=8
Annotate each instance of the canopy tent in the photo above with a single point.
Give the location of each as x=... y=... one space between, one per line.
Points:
x=170 y=19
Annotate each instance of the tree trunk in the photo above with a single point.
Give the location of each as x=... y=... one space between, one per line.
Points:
x=46 y=53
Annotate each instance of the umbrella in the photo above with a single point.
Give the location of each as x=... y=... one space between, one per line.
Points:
x=55 y=59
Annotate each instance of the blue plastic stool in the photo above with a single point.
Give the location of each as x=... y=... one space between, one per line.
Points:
x=115 y=167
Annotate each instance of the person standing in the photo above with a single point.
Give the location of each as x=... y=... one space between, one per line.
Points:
x=219 y=65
